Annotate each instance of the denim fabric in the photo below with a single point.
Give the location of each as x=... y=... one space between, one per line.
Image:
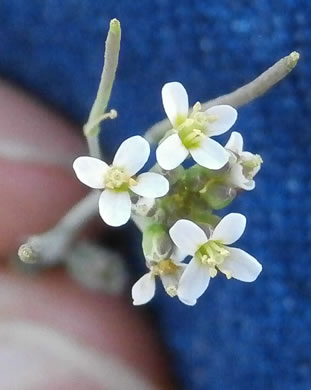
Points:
x=239 y=336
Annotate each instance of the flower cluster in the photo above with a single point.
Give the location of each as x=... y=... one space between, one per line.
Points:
x=178 y=204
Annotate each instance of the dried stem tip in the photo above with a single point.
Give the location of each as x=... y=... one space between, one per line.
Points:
x=292 y=60
x=27 y=254
x=115 y=26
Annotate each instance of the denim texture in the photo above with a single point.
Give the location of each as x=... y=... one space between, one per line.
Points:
x=239 y=336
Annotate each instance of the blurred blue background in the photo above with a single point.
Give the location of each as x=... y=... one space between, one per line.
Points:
x=239 y=336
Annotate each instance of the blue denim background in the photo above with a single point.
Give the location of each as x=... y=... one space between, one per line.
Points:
x=239 y=336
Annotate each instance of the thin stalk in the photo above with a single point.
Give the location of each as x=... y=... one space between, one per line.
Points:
x=98 y=110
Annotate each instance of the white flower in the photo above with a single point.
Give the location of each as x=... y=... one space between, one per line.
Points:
x=243 y=165
x=191 y=132
x=211 y=255
x=117 y=180
x=169 y=271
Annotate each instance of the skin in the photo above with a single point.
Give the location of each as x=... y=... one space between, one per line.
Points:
x=46 y=317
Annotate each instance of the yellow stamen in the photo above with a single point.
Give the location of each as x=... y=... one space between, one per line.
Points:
x=171 y=291
x=212 y=254
x=132 y=182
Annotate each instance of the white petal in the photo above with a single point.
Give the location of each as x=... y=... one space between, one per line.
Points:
x=90 y=171
x=225 y=117
x=193 y=282
x=144 y=289
x=210 y=154
x=241 y=265
x=187 y=236
x=239 y=180
x=132 y=154
x=247 y=156
x=115 y=207
x=171 y=152
x=175 y=102
x=150 y=185
x=249 y=186
x=178 y=255
x=235 y=143
x=230 y=228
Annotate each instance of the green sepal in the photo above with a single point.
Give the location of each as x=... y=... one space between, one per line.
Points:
x=156 y=242
x=217 y=194
x=196 y=177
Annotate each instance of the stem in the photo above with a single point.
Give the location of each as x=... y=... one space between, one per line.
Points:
x=259 y=86
x=92 y=127
x=239 y=97
x=49 y=247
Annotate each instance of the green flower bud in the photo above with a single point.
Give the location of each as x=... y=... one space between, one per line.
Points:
x=196 y=177
x=204 y=217
x=218 y=194
x=175 y=174
x=156 y=243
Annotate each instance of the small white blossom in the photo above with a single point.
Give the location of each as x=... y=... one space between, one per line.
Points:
x=169 y=271
x=243 y=165
x=211 y=255
x=118 y=179
x=191 y=133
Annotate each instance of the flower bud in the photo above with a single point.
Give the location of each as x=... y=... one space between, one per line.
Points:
x=156 y=243
x=218 y=194
x=145 y=207
x=197 y=176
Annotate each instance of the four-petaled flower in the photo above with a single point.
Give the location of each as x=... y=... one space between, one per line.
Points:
x=118 y=179
x=243 y=165
x=191 y=133
x=211 y=255
x=169 y=270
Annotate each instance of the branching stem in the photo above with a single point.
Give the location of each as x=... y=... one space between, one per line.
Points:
x=51 y=246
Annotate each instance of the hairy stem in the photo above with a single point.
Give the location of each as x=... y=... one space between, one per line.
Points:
x=97 y=113
x=239 y=97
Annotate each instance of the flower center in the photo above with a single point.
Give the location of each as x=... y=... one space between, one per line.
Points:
x=167 y=270
x=251 y=165
x=193 y=130
x=118 y=179
x=171 y=291
x=164 y=267
x=212 y=254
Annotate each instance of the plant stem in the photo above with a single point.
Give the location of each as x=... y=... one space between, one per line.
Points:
x=49 y=247
x=92 y=127
x=239 y=97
